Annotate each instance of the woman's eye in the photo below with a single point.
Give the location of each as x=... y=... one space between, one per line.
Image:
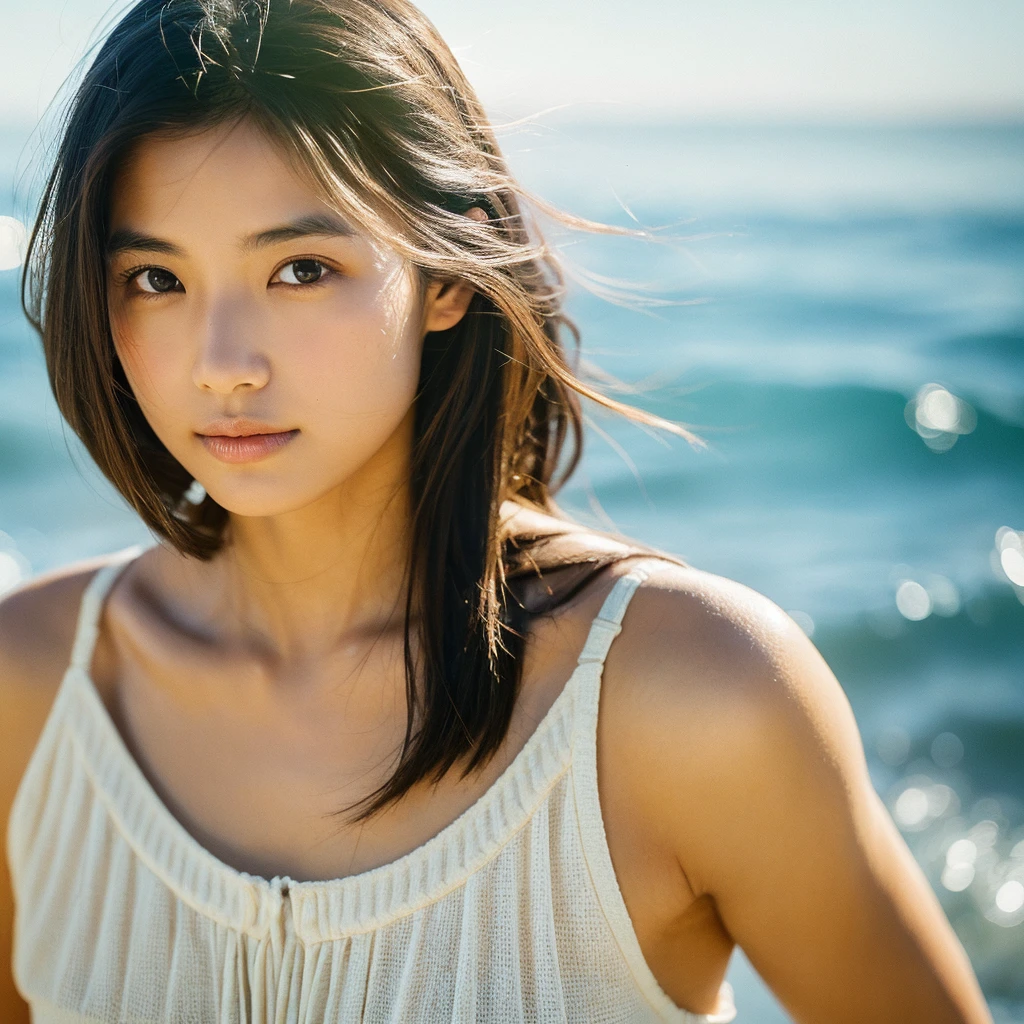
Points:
x=306 y=271
x=155 y=281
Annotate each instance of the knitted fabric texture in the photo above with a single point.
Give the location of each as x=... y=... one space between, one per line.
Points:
x=512 y=913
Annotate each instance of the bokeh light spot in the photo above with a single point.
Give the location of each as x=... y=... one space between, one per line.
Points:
x=938 y=410
x=963 y=851
x=913 y=601
x=10 y=572
x=1010 y=897
x=1007 y=537
x=940 y=800
x=985 y=833
x=957 y=877
x=939 y=417
x=911 y=807
x=13 y=243
x=1012 y=561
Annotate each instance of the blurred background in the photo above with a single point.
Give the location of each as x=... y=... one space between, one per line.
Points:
x=834 y=302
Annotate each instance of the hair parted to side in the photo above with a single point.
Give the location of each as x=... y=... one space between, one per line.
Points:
x=368 y=103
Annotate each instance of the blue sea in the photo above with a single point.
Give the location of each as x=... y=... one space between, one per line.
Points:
x=839 y=313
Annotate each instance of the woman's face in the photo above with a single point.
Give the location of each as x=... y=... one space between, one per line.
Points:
x=240 y=303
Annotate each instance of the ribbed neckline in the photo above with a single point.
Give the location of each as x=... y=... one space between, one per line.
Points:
x=328 y=909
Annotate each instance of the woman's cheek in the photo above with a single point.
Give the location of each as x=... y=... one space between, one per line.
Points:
x=357 y=369
x=154 y=376
x=363 y=358
x=160 y=380
x=130 y=349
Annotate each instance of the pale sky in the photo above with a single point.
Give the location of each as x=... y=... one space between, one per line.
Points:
x=725 y=59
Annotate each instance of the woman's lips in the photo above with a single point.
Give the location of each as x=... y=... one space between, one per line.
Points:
x=249 y=448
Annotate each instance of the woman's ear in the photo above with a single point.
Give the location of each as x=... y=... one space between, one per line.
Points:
x=446 y=302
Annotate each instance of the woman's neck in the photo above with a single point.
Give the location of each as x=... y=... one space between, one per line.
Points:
x=294 y=587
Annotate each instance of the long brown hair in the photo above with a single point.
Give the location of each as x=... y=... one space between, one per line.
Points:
x=367 y=101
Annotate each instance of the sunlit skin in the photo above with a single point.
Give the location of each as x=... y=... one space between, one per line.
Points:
x=263 y=690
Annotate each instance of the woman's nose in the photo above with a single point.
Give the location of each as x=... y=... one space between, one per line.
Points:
x=229 y=355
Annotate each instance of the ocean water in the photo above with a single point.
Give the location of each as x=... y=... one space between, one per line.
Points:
x=839 y=313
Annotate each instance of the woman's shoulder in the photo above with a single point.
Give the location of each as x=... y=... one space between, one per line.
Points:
x=723 y=710
x=37 y=629
x=707 y=654
x=703 y=653
x=702 y=636
x=37 y=624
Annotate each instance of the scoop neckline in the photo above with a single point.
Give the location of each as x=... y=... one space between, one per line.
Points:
x=465 y=844
x=262 y=881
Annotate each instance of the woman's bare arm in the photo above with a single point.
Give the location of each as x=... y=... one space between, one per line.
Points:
x=36 y=628
x=753 y=752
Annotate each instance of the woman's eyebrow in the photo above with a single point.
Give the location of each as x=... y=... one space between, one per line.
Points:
x=323 y=224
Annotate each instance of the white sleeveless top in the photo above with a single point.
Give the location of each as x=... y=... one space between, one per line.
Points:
x=512 y=913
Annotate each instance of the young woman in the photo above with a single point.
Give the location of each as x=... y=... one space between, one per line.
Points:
x=331 y=750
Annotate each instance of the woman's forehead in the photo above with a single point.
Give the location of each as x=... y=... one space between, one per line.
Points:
x=229 y=183
x=233 y=164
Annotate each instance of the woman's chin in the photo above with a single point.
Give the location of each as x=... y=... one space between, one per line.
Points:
x=263 y=503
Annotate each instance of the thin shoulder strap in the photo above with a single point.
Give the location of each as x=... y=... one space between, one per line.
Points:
x=608 y=623
x=96 y=590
